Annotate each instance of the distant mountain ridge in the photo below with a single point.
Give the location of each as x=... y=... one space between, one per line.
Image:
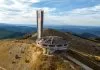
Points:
x=12 y=31
x=82 y=31
x=16 y=28
x=88 y=35
x=5 y=34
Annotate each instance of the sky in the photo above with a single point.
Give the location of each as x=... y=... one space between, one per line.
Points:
x=57 y=12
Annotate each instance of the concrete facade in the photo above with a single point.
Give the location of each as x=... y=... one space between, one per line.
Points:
x=40 y=23
x=52 y=43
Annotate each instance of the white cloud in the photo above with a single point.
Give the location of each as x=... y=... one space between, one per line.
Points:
x=86 y=11
x=82 y=16
x=21 y=11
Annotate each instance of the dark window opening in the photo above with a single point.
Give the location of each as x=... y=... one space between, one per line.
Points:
x=52 y=45
x=59 y=45
x=44 y=45
x=65 y=44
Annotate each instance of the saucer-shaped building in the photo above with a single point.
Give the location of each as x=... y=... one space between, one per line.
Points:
x=52 y=43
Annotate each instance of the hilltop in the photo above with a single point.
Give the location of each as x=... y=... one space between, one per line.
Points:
x=25 y=55
x=75 y=42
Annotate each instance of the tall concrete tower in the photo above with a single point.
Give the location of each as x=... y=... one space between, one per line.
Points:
x=40 y=23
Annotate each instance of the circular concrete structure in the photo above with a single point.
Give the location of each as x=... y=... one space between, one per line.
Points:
x=52 y=43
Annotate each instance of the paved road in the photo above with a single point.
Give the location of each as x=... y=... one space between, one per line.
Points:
x=84 y=60
x=79 y=63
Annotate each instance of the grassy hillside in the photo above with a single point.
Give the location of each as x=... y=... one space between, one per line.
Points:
x=75 y=42
x=5 y=34
x=25 y=55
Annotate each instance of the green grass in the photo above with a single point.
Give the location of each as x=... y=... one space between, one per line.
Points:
x=4 y=34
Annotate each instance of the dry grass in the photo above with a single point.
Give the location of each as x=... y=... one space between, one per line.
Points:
x=50 y=63
x=25 y=55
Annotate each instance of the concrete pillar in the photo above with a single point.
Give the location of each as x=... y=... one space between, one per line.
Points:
x=40 y=14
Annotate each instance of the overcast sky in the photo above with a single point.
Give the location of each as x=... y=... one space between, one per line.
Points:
x=57 y=12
